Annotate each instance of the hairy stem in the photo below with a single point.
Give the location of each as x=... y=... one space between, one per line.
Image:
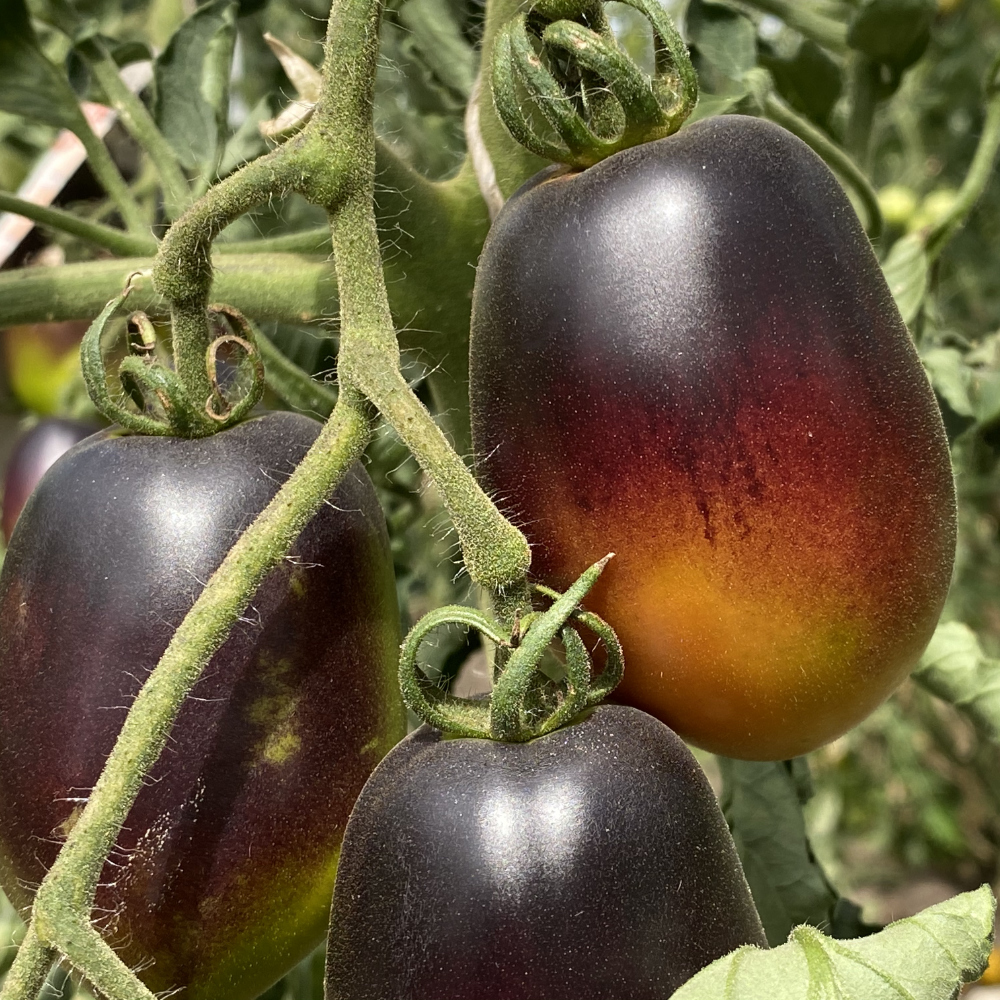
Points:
x=107 y=237
x=183 y=269
x=290 y=288
x=31 y=965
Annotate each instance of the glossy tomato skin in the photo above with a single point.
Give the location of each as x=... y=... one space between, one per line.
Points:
x=589 y=864
x=688 y=355
x=33 y=453
x=222 y=876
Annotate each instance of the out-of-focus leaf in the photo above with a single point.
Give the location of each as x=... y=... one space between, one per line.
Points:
x=192 y=85
x=955 y=668
x=951 y=378
x=894 y=32
x=723 y=36
x=905 y=269
x=926 y=957
x=30 y=85
x=247 y=142
x=716 y=104
x=762 y=802
x=809 y=79
x=440 y=44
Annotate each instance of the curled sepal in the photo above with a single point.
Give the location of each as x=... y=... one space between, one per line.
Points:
x=561 y=65
x=458 y=716
x=218 y=407
x=521 y=707
x=95 y=375
x=610 y=677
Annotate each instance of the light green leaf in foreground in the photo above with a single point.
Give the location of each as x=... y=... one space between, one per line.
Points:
x=926 y=957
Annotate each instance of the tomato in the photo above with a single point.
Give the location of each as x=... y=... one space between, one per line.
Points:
x=222 y=875
x=589 y=863
x=34 y=452
x=688 y=355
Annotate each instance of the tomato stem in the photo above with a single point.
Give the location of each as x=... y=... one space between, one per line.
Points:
x=980 y=170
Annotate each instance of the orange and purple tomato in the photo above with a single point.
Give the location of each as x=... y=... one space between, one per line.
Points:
x=688 y=355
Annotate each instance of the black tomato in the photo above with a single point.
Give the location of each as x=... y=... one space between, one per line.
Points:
x=222 y=875
x=33 y=453
x=688 y=355
x=589 y=863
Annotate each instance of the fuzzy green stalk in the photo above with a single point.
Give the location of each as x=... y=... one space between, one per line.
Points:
x=183 y=270
x=110 y=179
x=120 y=243
x=821 y=29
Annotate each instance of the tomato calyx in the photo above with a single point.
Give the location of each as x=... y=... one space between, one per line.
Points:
x=525 y=702
x=162 y=403
x=564 y=57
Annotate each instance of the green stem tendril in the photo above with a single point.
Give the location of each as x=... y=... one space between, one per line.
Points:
x=980 y=170
x=120 y=243
x=566 y=63
x=762 y=88
x=524 y=703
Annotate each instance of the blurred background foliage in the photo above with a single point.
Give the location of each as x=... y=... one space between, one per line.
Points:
x=905 y=809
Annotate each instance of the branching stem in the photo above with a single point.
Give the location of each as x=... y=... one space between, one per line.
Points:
x=120 y=243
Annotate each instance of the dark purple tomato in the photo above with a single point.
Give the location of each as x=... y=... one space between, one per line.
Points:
x=34 y=452
x=222 y=875
x=688 y=355
x=589 y=864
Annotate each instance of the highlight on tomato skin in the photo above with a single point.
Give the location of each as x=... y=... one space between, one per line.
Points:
x=589 y=863
x=688 y=355
x=221 y=878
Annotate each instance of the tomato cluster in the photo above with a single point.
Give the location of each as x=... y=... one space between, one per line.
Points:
x=686 y=354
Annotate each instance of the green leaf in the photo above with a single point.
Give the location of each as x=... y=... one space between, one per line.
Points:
x=926 y=957
x=894 y=32
x=762 y=802
x=808 y=79
x=30 y=85
x=192 y=85
x=723 y=37
x=955 y=668
x=438 y=39
x=716 y=104
x=906 y=269
x=951 y=378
